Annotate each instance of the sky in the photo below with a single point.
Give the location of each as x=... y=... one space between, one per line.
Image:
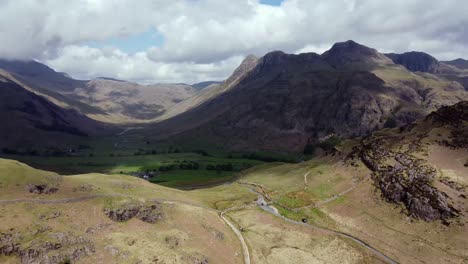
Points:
x=157 y=41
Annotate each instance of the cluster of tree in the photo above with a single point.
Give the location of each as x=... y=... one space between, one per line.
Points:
x=156 y=152
x=168 y=167
x=33 y=152
x=327 y=145
x=220 y=167
x=201 y=152
x=189 y=166
x=264 y=157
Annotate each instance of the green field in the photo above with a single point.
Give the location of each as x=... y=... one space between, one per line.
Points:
x=206 y=174
x=189 y=179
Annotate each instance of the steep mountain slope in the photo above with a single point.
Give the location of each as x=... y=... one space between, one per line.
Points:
x=287 y=101
x=104 y=99
x=30 y=121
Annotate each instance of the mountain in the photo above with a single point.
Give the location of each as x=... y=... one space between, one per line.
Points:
x=128 y=102
x=354 y=55
x=459 y=63
x=30 y=121
x=43 y=79
x=422 y=62
x=287 y=101
x=202 y=85
x=103 y=99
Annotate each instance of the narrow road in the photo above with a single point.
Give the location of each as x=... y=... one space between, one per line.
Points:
x=128 y=129
x=245 y=248
x=305 y=179
x=331 y=199
x=274 y=211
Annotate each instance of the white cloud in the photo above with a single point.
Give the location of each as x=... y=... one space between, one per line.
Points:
x=84 y=62
x=209 y=35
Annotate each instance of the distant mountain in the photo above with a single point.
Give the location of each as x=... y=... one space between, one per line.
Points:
x=104 y=99
x=422 y=62
x=30 y=121
x=127 y=102
x=284 y=102
x=55 y=85
x=203 y=85
x=459 y=63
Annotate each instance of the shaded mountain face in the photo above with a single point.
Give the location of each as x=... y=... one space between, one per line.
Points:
x=104 y=99
x=30 y=121
x=288 y=101
x=459 y=63
x=422 y=62
x=416 y=61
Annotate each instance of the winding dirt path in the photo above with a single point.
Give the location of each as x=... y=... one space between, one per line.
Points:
x=59 y=201
x=245 y=248
x=128 y=129
x=375 y=251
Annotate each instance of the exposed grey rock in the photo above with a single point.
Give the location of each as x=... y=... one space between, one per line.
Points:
x=55 y=249
x=41 y=189
x=403 y=178
x=122 y=213
x=150 y=213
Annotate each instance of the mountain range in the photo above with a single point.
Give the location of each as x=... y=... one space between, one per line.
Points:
x=279 y=102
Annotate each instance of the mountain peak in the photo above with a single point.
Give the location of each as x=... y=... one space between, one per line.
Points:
x=416 y=61
x=351 y=52
x=246 y=66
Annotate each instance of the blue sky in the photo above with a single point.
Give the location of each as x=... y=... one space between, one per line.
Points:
x=131 y=44
x=271 y=2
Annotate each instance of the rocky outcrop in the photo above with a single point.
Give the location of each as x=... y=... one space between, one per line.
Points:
x=150 y=212
x=9 y=243
x=454 y=118
x=403 y=178
x=41 y=189
x=53 y=248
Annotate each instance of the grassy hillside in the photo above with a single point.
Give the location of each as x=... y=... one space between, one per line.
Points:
x=77 y=220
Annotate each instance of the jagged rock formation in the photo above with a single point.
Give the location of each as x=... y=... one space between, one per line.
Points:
x=456 y=118
x=149 y=213
x=402 y=176
x=41 y=189
x=55 y=248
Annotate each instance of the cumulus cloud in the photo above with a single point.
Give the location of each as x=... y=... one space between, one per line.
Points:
x=88 y=63
x=203 y=38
